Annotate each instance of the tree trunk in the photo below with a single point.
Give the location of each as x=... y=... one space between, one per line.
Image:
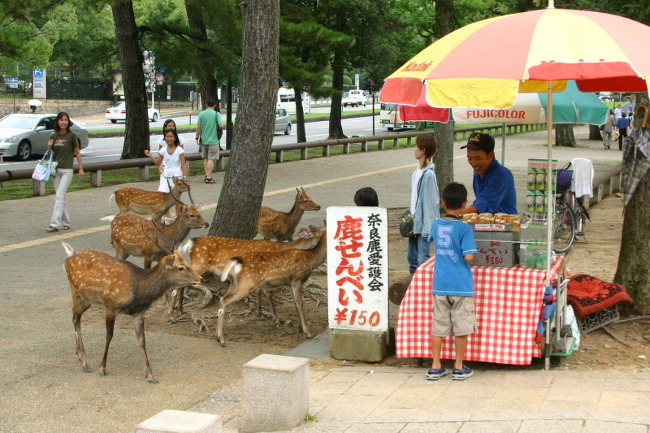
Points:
x=245 y=180
x=594 y=133
x=633 y=271
x=136 y=139
x=205 y=74
x=564 y=135
x=444 y=132
x=444 y=158
x=336 y=130
x=300 y=116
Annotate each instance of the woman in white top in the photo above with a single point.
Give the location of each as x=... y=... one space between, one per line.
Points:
x=169 y=124
x=170 y=162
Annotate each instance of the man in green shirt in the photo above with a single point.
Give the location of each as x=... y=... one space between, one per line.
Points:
x=207 y=136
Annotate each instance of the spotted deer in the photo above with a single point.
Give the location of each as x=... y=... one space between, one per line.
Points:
x=256 y=271
x=129 y=239
x=97 y=278
x=211 y=253
x=280 y=226
x=152 y=203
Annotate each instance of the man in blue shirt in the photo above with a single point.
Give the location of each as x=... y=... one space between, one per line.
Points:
x=494 y=185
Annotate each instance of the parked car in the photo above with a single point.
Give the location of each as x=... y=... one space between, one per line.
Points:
x=282 y=121
x=22 y=135
x=118 y=112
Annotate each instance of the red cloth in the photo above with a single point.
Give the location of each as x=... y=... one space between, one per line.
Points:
x=588 y=295
x=507 y=304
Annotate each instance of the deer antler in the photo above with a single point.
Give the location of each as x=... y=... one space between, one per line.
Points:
x=176 y=198
x=162 y=236
x=189 y=190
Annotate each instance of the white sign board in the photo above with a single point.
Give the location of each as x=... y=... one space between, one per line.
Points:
x=13 y=83
x=357 y=268
x=38 y=84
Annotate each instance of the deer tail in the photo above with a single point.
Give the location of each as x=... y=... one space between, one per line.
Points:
x=68 y=249
x=108 y=217
x=111 y=199
x=186 y=248
x=234 y=265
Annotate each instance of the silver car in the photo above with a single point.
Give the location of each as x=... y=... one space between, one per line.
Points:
x=282 y=121
x=22 y=135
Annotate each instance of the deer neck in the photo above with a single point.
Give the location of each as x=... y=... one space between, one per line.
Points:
x=294 y=216
x=177 y=230
x=148 y=286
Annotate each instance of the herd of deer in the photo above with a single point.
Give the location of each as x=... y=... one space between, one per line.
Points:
x=253 y=266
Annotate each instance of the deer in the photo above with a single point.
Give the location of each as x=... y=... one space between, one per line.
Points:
x=152 y=203
x=129 y=239
x=257 y=271
x=280 y=226
x=211 y=254
x=97 y=278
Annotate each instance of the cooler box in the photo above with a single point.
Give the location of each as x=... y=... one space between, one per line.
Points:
x=496 y=248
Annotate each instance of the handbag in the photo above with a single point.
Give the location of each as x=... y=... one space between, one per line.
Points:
x=406 y=224
x=43 y=169
x=602 y=127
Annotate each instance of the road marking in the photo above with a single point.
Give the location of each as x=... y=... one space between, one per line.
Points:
x=69 y=235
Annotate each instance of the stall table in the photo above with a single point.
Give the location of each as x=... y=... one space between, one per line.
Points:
x=508 y=303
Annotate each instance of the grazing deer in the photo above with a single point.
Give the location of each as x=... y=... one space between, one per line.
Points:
x=279 y=225
x=122 y=288
x=129 y=239
x=211 y=253
x=152 y=203
x=257 y=271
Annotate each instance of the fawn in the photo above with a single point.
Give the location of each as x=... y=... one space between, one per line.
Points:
x=279 y=225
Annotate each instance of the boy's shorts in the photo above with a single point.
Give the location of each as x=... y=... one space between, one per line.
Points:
x=210 y=151
x=453 y=315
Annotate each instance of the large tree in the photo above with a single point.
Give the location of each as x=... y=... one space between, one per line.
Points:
x=243 y=189
x=136 y=138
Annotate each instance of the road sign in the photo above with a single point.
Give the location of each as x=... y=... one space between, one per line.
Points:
x=13 y=83
x=160 y=78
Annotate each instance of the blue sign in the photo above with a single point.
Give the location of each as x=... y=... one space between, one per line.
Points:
x=13 y=80
x=38 y=73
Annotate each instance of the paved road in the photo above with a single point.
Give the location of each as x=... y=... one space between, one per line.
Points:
x=42 y=385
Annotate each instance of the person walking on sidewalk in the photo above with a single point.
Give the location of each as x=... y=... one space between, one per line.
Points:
x=622 y=125
x=608 y=129
x=64 y=144
x=425 y=201
x=208 y=126
x=453 y=283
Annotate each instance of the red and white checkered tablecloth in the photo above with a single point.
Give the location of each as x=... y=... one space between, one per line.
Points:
x=507 y=301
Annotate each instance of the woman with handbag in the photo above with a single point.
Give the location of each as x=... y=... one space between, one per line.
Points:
x=425 y=201
x=64 y=144
x=608 y=129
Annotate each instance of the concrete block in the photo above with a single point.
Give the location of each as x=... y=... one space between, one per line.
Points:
x=178 y=421
x=363 y=346
x=276 y=393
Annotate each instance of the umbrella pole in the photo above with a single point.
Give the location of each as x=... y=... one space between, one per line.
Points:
x=503 y=145
x=549 y=176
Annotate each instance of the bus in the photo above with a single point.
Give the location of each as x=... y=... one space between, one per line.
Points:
x=390 y=119
x=287 y=100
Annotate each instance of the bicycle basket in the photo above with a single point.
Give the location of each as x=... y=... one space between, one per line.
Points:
x=563 y=182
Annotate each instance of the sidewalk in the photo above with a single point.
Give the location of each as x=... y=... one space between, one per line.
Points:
x=45 y=390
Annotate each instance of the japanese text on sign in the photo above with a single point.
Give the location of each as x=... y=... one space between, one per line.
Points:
x=357 y=268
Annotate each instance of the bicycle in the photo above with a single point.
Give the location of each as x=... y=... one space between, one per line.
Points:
x=569 y=217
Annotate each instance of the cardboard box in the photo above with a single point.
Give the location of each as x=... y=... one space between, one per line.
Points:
x=496 y=248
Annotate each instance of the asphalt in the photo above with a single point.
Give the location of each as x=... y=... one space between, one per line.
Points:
x=44 y=389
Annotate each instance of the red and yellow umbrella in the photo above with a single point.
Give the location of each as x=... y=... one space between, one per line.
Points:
x=485 y=64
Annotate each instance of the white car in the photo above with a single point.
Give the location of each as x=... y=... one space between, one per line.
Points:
x=118 y=112
x=22 y=135
x=282 y=121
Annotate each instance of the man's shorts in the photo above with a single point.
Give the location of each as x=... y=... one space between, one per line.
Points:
x=210 y=151
x=453 y=315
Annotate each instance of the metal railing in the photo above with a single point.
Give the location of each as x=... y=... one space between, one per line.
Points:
x=379 y=141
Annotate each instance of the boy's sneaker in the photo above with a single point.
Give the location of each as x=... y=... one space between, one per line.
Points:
x=462 y=374
x=436 y=373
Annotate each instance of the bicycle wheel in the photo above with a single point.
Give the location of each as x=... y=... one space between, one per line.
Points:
x=564 y=229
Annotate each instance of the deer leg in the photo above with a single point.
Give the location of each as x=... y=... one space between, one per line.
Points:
x=227 y=299
x=77 y=311
x=138 y=321
x=147 y=262
x=269 y=295
x=110 y=326
x=296 y=291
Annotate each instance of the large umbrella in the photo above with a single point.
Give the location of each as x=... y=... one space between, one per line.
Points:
x=487 y=63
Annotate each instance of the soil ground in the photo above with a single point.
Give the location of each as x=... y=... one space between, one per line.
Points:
x=620 y=346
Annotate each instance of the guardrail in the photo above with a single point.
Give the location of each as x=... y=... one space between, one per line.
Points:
x=380 y=141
